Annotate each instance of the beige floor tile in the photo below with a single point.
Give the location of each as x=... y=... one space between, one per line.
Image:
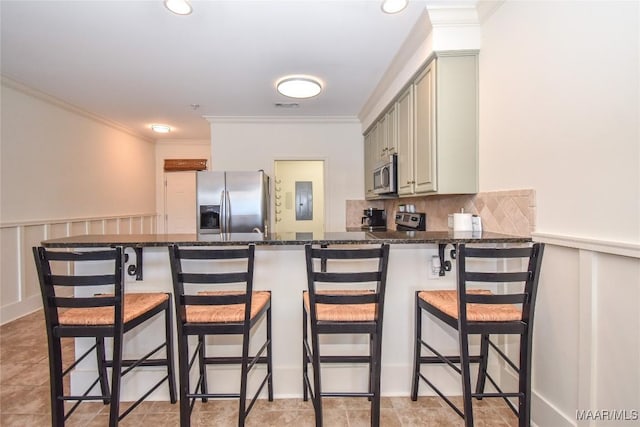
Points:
x=24 y=398
x=362 y=418
x=17 y=420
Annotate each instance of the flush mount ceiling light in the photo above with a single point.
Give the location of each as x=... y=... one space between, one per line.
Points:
x=179 y=7
x=161 y=128
x=299 y=87
x=394 y=6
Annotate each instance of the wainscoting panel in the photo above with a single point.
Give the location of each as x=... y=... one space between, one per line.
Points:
x=32 y=235
x=586 y=340
x=96 y=226
x=111 y=226
x=19 y=288
x=78 y=228
x=10 y=275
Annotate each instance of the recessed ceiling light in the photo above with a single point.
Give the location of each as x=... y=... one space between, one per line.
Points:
x=161 y=128
x=394 y=6
x=179 y=7
x=299 y=87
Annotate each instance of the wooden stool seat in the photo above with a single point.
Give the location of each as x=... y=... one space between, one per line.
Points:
x=447 y=302
x=343 y=312
x=134 y=305
x=228 y=313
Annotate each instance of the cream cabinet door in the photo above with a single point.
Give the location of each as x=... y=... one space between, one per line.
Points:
x=391 y=119
x=424 y=131
x=369 y=153
x=404 y=109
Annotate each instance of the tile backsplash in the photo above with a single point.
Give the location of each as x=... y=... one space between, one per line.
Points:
x=508 y=211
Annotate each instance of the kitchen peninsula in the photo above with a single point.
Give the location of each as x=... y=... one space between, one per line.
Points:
x=280 y=267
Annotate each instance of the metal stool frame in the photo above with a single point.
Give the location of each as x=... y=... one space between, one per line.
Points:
x=522 y=327
x=55 y=331
x=373 y=328
x=201 y=330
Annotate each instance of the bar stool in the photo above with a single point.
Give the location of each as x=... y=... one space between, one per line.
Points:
x=218 y=312
x=481 y=312
x=100 y=316
x=343 y=311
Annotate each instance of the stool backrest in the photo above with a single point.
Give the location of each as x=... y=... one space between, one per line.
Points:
x=526 y=271
x=362 y=265
x=54 y=299
x=212 y=269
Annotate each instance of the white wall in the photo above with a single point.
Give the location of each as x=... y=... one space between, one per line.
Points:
x=559 y=113
x=63 y=172
x=60 y=164
x=252 y=144
x=176 y=149
x=559 y=101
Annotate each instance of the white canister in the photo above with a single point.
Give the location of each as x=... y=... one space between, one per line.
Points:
x=462 y=222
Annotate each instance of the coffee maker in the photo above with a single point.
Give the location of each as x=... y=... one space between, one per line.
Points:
x=374 y=219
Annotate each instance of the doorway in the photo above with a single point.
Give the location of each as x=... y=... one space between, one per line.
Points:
x=180 y=202
x=299 y=196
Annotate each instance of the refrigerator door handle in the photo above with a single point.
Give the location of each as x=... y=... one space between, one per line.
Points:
x=227 y=205
x=223 y=213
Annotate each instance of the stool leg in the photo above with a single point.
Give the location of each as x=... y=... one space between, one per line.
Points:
x=102 y=369
x=244 y=370
x=305 y=358
x=371 y=365
x=377 y=370
x=482 y=367
x=116 y=377
x=183 y=373
x=466 y=378
x=171 y=375
x=269 y=360
x=524 y=402
x=202 y=367
x=56 y=381
x=317 y=390
x=417 y=351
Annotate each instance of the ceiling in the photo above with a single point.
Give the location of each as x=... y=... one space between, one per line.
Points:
x=135 y=63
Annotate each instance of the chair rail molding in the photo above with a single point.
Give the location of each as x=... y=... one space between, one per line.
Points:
x=19 y=290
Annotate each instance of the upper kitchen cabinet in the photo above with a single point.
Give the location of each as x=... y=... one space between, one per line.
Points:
x=370 y=157
x=404 y=109
x=388 y=134
x=441 y=154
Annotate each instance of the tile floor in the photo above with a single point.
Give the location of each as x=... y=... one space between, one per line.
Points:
x=24 y=398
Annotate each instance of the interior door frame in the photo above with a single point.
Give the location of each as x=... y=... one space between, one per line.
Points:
x=325 y=169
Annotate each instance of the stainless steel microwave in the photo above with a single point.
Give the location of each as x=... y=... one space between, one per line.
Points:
x=385 y=176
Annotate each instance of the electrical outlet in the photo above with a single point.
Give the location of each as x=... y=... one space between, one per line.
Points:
x=434 y=267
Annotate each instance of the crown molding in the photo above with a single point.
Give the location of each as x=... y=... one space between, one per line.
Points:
x=280 y=119
x=50 y=99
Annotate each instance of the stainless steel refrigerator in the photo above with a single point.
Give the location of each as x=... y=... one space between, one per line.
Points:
x=232 y=202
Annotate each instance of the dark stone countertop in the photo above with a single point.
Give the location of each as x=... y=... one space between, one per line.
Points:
x=328 y=238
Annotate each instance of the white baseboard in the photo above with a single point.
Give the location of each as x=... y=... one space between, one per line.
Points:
x=19 y=309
